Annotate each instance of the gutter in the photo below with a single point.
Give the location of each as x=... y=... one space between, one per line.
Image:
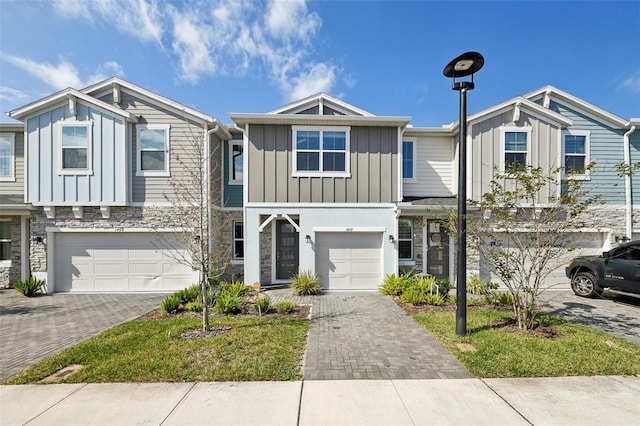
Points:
x=627 y=185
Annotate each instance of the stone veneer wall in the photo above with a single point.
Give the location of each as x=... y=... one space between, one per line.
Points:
x=11 y=274
x=222 y=243
x=265 y=254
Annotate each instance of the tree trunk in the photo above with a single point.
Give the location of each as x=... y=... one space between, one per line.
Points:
x=205 y=304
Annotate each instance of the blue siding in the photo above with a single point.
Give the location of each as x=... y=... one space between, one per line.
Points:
x=107 y=183
x=232 y=193
x=607 y=148
x=634 y=142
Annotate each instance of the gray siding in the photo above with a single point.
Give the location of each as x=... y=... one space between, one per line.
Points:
x=488 y=150
x=107 y=182
x=16 y=187
x=185 y=135
x=374 y=169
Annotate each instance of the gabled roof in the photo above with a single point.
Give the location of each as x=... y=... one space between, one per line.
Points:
x=320 y=100
x=102 y=87
x=72 y=95
x=549 y=92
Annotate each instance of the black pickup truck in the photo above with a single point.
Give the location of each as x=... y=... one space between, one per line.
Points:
x=618 y=268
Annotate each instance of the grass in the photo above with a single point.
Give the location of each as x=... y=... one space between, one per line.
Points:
x=153 y=351
x=580 y=350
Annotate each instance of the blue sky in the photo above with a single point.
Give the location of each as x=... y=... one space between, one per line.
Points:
x=385 y=57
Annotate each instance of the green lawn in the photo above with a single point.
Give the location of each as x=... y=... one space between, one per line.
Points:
x=256 y=348
x=580 y=350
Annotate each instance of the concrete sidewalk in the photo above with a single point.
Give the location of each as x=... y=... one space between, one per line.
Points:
x=611 y=400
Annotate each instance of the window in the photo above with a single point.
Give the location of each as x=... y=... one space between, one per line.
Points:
x=516 y=147
x=153 y=150
x=7 y=157
x=235 y=163
x=238 y=240
x=405 y=240
x=408 y=155
x=576 y=151
x=5 y=241
x=321 y=151
x=75 y=146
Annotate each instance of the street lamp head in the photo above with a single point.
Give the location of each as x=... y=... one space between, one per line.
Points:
x=466 y=64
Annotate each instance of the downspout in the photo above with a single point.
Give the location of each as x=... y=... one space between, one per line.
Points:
x=627 y=184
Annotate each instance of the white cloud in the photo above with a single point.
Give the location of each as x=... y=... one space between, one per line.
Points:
x=191 y=45
x=290 y=19
x=9 y=94
x=64 y=74
x=632 y=83
x=319 y=78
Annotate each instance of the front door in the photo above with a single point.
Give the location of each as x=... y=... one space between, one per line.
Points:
x=437 y=249
x=287 y=243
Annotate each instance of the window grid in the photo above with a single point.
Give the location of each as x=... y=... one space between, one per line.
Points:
x=5 y=241
x=515 y=149
x=407 y=160
x=238 y=240
x=7 y=157
x=153 y=149
x=405 y=240
x=321 y=151
x=74 y=147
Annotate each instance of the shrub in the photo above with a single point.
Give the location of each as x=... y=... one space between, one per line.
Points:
x=228 y=303
x=444 y=285
x=435 y=299
x=30 y=286
x=262 y=303
x=195 y=306
x=170 y=304
x=414 y=295
x=453 y=300
x=189 y=294
x=477 y=286
x=305 y=283
x=285 y=307
x=235 y=288
x=395 y=285
x=499 y=298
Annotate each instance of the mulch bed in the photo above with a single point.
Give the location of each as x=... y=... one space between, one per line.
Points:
x=301 y=311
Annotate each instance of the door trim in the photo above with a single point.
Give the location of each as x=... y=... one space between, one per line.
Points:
x=274 y=247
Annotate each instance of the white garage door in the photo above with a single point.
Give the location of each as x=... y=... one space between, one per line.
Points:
x=119 y=262
x=349 y=261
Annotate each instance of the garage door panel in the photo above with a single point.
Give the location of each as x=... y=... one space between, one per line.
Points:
x=349 y=261
x=118 y=262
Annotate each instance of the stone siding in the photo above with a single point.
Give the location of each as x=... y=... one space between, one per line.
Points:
x=11 y=274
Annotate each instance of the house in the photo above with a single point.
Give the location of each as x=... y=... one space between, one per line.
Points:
x=317 y=185
x=322 y=180
x=14 y=212
x=100 y=165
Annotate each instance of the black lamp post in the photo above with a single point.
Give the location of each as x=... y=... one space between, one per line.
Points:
x=464 y=65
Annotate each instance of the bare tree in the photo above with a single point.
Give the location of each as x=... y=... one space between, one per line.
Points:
x=193 y=191
x=523 y=227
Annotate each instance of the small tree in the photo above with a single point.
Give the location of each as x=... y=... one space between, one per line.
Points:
x=522 y=230
x=191 y=199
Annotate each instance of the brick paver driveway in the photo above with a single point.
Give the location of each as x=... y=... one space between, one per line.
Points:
x=33 y=328
x=365 y=335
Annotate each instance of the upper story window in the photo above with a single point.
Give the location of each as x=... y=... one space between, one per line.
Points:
x=235 y=162
x=405 y=240
x=319 y=151
x=5 y=241
x=408 y=160
x=75 y=147
x=575 y=145
x=153 y=149
x=7 y=157
x=238 y=240
x=515 y=142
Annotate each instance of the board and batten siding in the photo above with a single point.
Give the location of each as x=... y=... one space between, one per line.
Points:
x=487 y=149
x=433 y=167
x=374 y=168
x=105 y=185
x=15 y=187
x=606 y=148
x=183 y=135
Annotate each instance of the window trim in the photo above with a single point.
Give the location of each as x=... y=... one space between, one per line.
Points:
x=7 y=262
x=89 y=126
x=514 y=129
x=234 y=239
x=410 y=239
x=320 y=173
x=413 y=178
x=231 y=180
x=167 y=166
x=587 y=154
x=12 y=157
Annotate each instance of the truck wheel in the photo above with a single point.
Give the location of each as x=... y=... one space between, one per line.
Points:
x=584 y=284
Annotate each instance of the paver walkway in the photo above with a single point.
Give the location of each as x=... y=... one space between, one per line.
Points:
x=32 y=328
x=365 y=335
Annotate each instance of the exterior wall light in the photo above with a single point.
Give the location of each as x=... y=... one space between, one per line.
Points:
x=307 y=239
x=392 y=239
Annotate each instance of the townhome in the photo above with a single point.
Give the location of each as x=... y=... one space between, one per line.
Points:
x=14 y=212
x=101 y=165
x=317 y=185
